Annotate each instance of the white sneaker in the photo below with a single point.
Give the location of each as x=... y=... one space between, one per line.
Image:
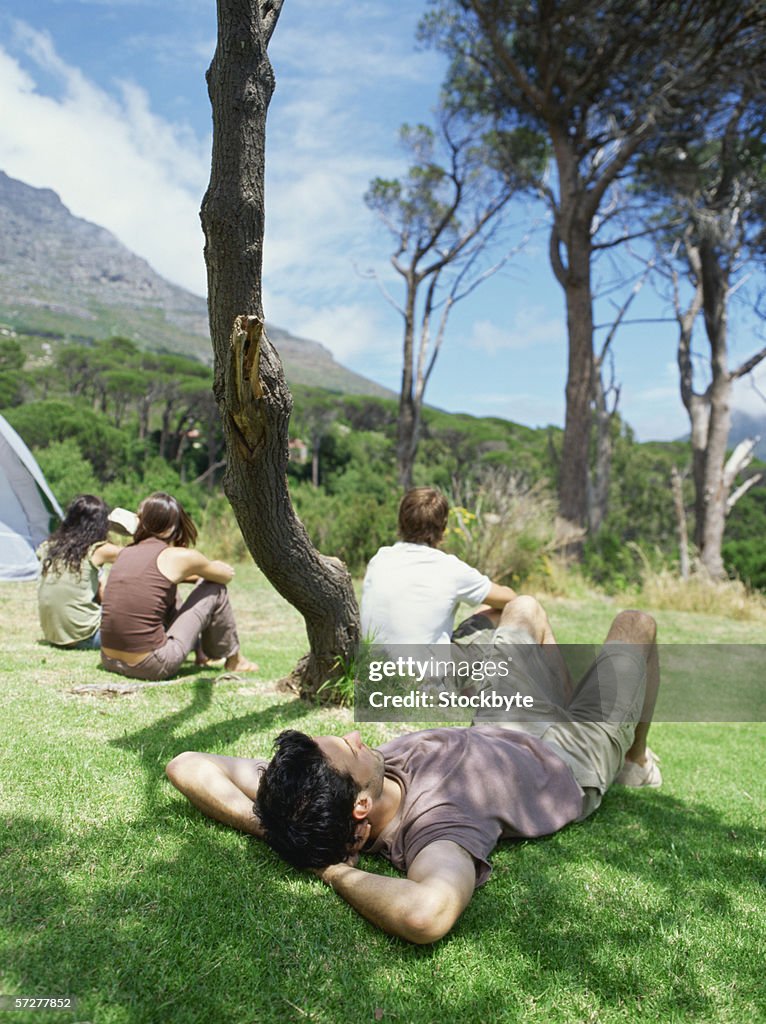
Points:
x=638 y=775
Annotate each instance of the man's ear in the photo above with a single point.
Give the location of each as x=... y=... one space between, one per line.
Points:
x=363 y=806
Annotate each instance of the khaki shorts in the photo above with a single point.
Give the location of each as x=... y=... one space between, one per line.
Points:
x=594 y=731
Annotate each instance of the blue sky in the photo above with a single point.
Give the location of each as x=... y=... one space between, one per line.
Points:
x=105 y=102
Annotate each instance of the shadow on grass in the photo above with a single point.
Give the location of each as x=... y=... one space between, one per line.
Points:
x=180 y=920
x=157 y=743
x=643 y=910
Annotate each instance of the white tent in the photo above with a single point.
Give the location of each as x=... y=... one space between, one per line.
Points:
x=27 y=507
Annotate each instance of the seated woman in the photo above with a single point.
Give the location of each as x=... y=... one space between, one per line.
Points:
x=71 y=586
x=144 y=634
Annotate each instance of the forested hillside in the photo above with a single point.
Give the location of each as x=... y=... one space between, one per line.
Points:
x=112 y=419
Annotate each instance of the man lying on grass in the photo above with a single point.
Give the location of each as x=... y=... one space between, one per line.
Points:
x=436 y=802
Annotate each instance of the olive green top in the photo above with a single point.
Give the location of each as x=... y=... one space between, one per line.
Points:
x=67 y=601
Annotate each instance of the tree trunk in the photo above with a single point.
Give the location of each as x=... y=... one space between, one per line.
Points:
x=715 y=493
x=603 y=420
x=715 y=294
x=573 y=477
x=683 y=538
x=250 y=387
x=571 y=230
x=407 y=440
x=167 y=412
x=699 y=419
x=144 y=410
x=697 y=406
x=316 y=444
x=407 y=426
x=600 y=476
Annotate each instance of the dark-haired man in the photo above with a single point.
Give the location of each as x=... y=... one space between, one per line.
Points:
x=435 y=803
x=411 y=589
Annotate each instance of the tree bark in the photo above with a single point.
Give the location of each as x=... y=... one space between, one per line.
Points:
x=714 y=295
x=407 y=425
x=575 y=279
x=600 y=477
x=683 y=538
x=250 y=387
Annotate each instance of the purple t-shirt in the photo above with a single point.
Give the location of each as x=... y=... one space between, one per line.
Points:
x=474 y=786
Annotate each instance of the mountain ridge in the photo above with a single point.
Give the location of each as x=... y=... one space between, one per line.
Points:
x=63 y=276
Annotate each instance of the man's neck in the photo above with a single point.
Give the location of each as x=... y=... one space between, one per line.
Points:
x=385 y=806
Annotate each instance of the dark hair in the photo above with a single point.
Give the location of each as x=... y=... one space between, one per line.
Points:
x=423 y=516
x=158 y=514
x=85 y=523
x=304 y=804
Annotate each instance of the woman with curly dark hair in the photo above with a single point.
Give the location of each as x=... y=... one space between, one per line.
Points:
x=70 y=590
x=144 y=633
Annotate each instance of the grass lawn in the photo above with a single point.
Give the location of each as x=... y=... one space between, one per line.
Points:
x=117 y=892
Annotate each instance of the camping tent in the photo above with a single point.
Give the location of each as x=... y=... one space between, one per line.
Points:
x=27 y=507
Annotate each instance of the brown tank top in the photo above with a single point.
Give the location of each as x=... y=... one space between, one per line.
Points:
x=139 y=602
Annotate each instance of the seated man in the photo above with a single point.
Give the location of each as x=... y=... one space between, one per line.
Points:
x=436 y=802
x=412 y=589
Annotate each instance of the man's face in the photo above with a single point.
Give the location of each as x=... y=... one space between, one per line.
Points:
x=349 y=755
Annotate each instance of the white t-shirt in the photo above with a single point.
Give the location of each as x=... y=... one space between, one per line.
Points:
x=411 y=591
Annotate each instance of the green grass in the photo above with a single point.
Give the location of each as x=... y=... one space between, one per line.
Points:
x=115 y=891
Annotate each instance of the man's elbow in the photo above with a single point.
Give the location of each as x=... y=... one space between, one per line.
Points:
x=428 y=923
x=178 y=769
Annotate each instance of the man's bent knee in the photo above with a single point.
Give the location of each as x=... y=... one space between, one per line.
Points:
x=527 y=613
x=635 y=627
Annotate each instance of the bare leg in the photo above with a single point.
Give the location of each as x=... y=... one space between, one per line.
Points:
x=493 y=614
x=527 y=614
x=638 y=628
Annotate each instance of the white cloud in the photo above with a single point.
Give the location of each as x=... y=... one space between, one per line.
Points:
x=533 y=410
x=109 y=157
x=354 y=332
x=355 y=46
x=750 y=393
x=117 y=163
x=533 y=327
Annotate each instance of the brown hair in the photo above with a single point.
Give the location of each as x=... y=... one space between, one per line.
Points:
x=423 y=516
x=158 y=514
x=85 y=524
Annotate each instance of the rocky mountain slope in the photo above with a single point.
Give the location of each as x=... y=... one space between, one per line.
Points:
x=63 y=277
x=744 y=426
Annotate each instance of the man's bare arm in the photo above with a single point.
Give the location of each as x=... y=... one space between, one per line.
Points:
x=223 y=788
x=419 y=908
x=499 y=596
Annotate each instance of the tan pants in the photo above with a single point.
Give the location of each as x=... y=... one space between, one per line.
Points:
x=594 y=731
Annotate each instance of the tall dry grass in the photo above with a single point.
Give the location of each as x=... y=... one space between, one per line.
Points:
x=508 y=528
x=666 y=591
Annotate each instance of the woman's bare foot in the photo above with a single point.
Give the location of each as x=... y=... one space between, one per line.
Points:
x=238 y=663
x=202 y=661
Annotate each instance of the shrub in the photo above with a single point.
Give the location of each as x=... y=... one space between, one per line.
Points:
x=41 y=423
x=614 y=563
x=506 y=527
x=67 y=472
x=155 y=475
x=748 y=560
x=219 y=533
x=350 y=526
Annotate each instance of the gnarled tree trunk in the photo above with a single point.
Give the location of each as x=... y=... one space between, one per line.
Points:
x=250 y=387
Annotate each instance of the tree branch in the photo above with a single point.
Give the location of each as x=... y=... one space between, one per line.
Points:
x=748 y=365
x=270 y=11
